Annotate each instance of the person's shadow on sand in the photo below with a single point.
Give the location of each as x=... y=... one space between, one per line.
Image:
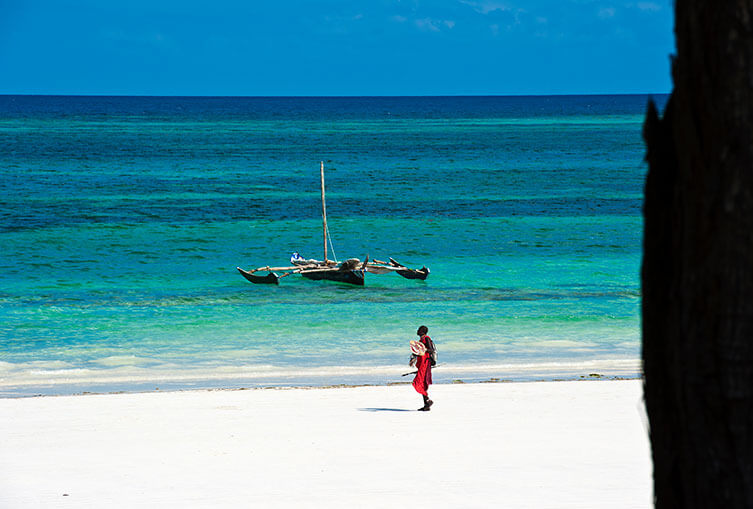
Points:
x=383 y=410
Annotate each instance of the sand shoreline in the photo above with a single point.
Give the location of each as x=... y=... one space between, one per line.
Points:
x=407 y=382
x=511 y=444
x=25 y=381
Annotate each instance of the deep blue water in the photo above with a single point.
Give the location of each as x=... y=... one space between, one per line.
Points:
x=122 y=220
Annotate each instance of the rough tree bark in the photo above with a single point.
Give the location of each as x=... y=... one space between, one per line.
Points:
x=697 y=274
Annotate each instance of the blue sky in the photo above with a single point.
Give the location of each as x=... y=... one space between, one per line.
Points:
x=335 y=47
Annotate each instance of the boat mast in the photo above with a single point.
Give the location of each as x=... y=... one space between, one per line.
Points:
x=324 y=210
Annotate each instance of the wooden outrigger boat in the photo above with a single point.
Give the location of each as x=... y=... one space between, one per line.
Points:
x=351 y=271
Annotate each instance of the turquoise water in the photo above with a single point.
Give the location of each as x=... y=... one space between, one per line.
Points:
x=123 y=220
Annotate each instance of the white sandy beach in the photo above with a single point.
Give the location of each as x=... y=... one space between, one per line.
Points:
x=577 y=444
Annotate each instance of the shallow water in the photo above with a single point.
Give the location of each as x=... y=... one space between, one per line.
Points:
x=123 y=220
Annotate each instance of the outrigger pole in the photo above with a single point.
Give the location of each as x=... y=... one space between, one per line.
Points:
x=324 y=211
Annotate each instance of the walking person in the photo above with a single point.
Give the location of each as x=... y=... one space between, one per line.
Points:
x=423 y=363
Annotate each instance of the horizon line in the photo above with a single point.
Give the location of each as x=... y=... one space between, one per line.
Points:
x=178 y=96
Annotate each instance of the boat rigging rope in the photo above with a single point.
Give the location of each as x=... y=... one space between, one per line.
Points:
x=329 y=237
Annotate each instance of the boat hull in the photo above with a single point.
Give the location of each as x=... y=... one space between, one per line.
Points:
x=353 y=277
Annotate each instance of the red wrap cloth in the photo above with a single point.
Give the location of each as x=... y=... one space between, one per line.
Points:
x=423 y=377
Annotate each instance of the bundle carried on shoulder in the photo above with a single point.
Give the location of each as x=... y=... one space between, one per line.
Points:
x=418 y=348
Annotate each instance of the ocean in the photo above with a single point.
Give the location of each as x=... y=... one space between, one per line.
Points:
x=123 y=220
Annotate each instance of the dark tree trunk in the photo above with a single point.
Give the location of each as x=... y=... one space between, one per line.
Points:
x=697 y=274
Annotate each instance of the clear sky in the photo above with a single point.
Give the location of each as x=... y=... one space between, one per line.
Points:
x=335 y=47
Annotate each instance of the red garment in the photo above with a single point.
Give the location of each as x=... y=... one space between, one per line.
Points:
x=423 y=377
